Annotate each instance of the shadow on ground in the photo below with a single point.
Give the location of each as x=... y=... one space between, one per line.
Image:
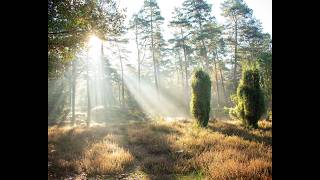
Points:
x=236 y=130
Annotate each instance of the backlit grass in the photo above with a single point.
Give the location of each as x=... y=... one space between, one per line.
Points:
x=162 y=150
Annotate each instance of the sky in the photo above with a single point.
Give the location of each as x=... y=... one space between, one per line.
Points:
x=262 y=10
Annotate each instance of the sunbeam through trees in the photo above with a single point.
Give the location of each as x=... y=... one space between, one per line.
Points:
x=153 y=90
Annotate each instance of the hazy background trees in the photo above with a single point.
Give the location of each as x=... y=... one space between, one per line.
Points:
x=197 y=41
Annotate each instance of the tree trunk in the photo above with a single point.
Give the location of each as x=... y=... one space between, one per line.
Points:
x=88 y=94
x=222 y=84
x=158 y=75
x=103 y=84
x=204 y=48
x=153 y=56
x=205 y=55
x=119 y=93
x=95 y=102
x=185 y=61
x=138 y=50
x=139 y=76
x=74 y=70
x=235 y=56
x=186 y=71
x=109 y=95
x=181 y=70
x=122 y=84
x=178 y=78
x=217 y=82
x=70 y=90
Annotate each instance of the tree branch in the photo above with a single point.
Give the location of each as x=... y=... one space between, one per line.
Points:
x=66 y=32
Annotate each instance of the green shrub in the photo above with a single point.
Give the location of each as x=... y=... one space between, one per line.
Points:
x=249 y=99
x=200 y=97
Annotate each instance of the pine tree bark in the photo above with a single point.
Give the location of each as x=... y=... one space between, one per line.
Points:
x=185 y=66
x=74 y=70
x=122 y=82
x=119 y=93
x=88 y=94
x=181 y=69
x=103 y=83
x=205 y=55
x=222 y=84
x=139 y=59
x=153 y=55
x=235 y=56
x=217 y=81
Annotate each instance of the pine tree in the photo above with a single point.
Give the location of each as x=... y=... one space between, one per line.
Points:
x=214 y=33
x=152 y=21
x=181 y=40
x=237 y=13
x=197 y=14
x=137 y=25
x=253 y=39
x=265 y=64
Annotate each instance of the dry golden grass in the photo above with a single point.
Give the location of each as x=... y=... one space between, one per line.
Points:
x=94 y=151
x=220 y=156
x=233 y=152
x=105 y=158
x=164 y=150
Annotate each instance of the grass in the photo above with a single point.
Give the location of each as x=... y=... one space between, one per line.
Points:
x=92 y=150
x=161 y=150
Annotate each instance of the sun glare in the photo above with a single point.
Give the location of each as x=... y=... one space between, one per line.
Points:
x=94 y=41
x=94 y=44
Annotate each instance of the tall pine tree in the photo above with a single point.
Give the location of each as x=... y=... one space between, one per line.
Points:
x=152 y=21
x=237 y=13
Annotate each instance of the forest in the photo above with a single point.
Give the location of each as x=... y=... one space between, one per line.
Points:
x=143 y=97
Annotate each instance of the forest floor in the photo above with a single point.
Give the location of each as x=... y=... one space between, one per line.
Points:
x=160 y=149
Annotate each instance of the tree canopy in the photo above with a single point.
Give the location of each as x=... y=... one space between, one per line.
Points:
x=70 y=22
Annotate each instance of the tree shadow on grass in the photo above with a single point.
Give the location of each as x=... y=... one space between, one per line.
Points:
x=237 y=130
